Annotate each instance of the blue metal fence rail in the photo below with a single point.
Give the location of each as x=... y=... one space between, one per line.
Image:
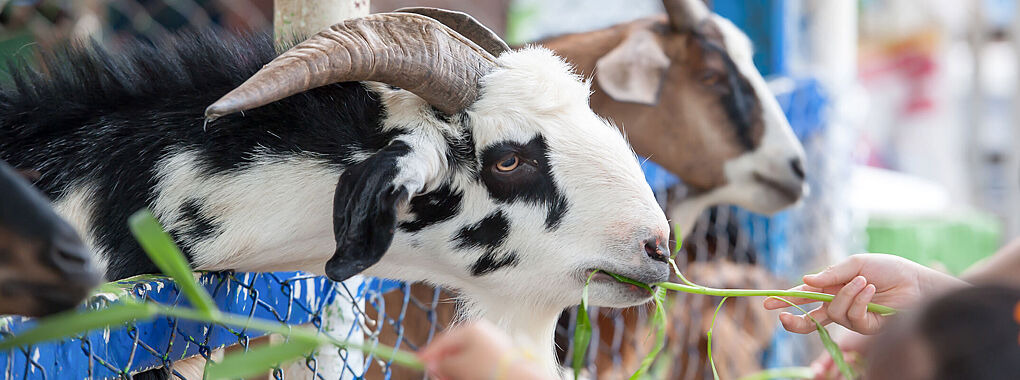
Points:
x=292 y=298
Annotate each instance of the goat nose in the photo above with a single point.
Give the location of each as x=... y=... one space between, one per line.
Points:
x=656 y=249
x=72 y=259
x=798 y=167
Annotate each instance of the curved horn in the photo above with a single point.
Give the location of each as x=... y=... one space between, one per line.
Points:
x=406 y=50
x=685 y=15
x=466 y=25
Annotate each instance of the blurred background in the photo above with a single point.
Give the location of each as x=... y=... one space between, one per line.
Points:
x=906 y=109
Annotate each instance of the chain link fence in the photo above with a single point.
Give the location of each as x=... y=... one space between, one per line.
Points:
x=728 y=247
x=354 y=310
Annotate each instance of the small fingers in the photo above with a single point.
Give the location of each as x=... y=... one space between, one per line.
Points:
x=860 y=320
x=802 y=324
x=840 y=305
x=838 y=274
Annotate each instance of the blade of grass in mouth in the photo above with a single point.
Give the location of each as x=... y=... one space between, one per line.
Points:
x=698 y=289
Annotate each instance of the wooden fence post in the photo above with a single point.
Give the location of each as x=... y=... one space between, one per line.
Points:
x=293 y=21
x=296 y=19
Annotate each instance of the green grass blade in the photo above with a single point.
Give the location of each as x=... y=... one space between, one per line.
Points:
x=168 y=258
x=829 y=344
x=835 y=352
x=72 y=323
x=582 y=330
x=782 y=373
x=629 y=281
x=659 y=322
x=698 y=289
x=711 y=360
x=259 y=360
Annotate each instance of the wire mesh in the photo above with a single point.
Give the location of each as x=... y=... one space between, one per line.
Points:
x=355 y=311
x=727 y=247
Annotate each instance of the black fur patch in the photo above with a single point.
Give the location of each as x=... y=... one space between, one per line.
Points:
x=106 y=119
x=533 y=186
x=461 y=151
x=489 y=233
x=442 y=116
x=492 y=261
x=532 y=182
x=196 y=226
x=365 y=212
x=742 y=105
x=435 y=207
x=556 y=211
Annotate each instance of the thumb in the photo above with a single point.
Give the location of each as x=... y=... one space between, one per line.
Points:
x=835 y=275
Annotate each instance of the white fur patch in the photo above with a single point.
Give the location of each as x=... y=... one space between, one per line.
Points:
x=274 y=214
x=77 y=208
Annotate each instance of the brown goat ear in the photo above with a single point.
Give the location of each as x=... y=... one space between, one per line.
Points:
x=635 y=70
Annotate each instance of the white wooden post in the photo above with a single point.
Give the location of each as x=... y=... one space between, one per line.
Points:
x=293 y=21
x=296 y=19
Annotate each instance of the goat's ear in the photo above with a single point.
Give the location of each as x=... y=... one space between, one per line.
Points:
x=635 y=70
x=365 y=210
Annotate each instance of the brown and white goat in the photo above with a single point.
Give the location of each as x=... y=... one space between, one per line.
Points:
x=685 y=90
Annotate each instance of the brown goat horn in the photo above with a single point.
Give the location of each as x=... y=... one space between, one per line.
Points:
x=466 y=25
x=685 y=15
x=410 y=51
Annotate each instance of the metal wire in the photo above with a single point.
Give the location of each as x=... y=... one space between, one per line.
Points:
x=727 y=247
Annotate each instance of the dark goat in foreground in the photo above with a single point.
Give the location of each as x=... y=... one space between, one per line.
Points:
x=44 y=266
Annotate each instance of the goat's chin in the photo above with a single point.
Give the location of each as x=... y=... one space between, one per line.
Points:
x=616 y=294
x=770 y=201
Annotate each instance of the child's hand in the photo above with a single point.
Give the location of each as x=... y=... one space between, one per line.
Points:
x=477 y=351
x=883 y=279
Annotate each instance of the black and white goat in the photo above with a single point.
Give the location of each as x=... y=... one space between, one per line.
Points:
x=44 y=266
x=391 y=145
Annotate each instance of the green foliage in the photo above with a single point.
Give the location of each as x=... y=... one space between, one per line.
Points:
x=300 y=341
x=830 y=345
x=74 y=323
x=659 y=322
x=518 y=17
x=711 y=360
x=259 y=360
x=689 y=287
x=168 y=258
x=582 y=330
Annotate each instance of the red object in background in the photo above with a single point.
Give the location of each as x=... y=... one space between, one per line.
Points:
x=916 y=67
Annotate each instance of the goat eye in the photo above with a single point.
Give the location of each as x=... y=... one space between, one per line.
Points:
x=508 y=164
x=711 y=78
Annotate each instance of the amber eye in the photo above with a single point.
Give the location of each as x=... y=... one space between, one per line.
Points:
x=509 y=163
x=711 y=78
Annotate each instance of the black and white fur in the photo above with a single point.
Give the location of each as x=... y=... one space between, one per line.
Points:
x=112 y=133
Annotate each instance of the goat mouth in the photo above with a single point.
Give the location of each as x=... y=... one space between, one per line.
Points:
x=601 y=277
x=789 y=191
